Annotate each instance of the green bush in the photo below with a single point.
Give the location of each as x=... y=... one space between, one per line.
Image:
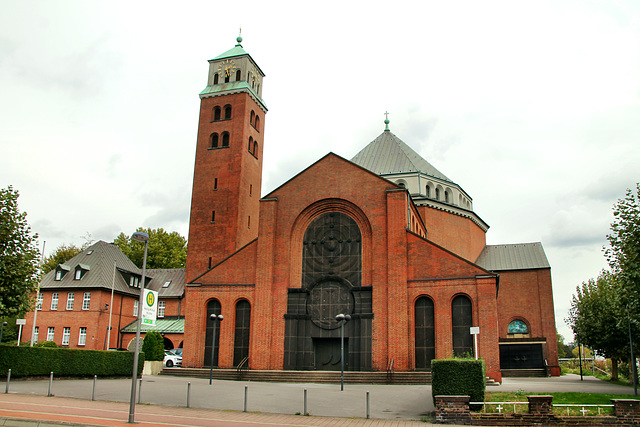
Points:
x=458 y=377
x=40 y=361
x=153 y=346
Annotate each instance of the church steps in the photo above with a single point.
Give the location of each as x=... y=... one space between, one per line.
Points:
x=320 y=377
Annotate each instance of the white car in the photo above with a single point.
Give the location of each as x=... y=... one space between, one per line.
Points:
x=171 y=360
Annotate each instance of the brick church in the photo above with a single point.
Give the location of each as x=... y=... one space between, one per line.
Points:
x=384 y=237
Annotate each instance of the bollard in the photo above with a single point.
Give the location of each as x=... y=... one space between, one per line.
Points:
x=50 y=384
x=188 y=394
x=305 y=402
x=245 y=398
x=6 y=390
x=140 y=391
x=367 y=405
x=93 y=393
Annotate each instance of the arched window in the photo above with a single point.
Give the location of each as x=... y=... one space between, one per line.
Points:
x=238 y=75
x=215 y=79
x=437 y=194
x=518 y=327
x=425 y=333
x=227 y=78
x=241 y=338
x=257 y=123
x=213 y=307
x=225 y=139
x=255 y=148
x=216 y=114
x=214 y=140
x=250 y=147
x=462 y=320
x=428 y=191
x=446 y=196
x=227 y=112
x=252 y=118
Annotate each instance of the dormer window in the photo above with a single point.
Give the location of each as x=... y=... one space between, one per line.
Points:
x=81 y=271
x=61 y=270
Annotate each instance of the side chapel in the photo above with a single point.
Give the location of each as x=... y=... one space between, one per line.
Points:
x=384 y=237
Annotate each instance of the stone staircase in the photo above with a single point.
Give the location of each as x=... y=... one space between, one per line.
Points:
x=321 y=377
x=524 y=373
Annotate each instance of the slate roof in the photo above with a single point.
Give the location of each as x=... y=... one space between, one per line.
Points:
x=520 y=256
x=388 y=154
x=98 y=262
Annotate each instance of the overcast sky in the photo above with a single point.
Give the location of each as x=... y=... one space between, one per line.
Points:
x=533 y=108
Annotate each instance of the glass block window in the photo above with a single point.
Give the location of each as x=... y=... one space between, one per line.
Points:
x=54 y=301
x=66 y=333
x=161 y=308
x=50 y=331
x=70 y=297
x=86 y=301
x=82 y=338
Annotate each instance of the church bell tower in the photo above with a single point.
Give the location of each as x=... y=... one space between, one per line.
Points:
x=227 y=175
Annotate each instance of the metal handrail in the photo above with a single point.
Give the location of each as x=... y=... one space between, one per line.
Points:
x=244 y=364
x=390 y=368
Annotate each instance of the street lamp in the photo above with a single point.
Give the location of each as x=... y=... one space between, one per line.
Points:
x=342 y=319
x=215 y=318
x=139 y=237
x=2 y=330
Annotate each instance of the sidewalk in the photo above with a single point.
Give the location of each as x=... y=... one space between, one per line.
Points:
x=30 y=410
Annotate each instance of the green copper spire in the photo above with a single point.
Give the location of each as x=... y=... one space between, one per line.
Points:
x=386 y=121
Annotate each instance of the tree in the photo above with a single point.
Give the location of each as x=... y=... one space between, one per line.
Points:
x=153 y=346
x=598 y=318
x=623 y=253
x=166 y=250
x=18 y=257
x=61 y=255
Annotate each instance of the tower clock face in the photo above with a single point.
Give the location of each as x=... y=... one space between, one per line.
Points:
x=226 y=68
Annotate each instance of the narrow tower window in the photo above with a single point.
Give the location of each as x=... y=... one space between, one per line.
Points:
x=250 y=189
x=255 y=148
x=257 y=123
x=249 y=223
x=252 y=118
x=238 y=75
x=227 y=78
x=214 y=140
x=216 y=114
x=250 y=143
x=225 y=139
x=215 y=79
x=213 y=217
x=227 y=112
x=215 y=183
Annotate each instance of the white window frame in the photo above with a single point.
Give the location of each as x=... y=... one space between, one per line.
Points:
x=70 y=297
x=82 y=336
x=58 y=275
x=66 y=334
x=136 y=303
x=36 y=331
x=54 y=301
x=86 y=301
x=78 y=274
x=161 y=308
x=39 y=301
x=51 y=333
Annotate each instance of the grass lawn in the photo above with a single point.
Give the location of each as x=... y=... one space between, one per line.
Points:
x=558 y=399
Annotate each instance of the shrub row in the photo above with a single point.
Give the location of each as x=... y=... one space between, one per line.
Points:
x=458 y=377
x=40 y=361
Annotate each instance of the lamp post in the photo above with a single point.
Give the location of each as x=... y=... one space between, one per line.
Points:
x=2 y=330
x=140 y=237
x=214 y=318
x=342 y=319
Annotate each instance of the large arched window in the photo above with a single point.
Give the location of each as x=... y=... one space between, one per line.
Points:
x=425 y=333
x=462 y=320
x=227 y=112
x=214 y=140
x=213 y=307
x=225 y=139
x=241 y=338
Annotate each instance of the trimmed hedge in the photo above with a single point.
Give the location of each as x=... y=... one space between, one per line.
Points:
x=458 y=377
x=40 y=361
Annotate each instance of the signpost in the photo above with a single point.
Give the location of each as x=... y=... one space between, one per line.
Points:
x=150 y=307
x=475 y=330
x=20 y=322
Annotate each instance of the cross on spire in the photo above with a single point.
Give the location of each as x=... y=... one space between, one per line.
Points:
x=386 y=120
